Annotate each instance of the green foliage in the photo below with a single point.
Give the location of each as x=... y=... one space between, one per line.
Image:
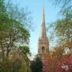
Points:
x=25 y=52
x=63 y=29
x=25 y=49
x=66 y=5
x=23 y=68
x=63 y=26
x=13 y=30
x=36 y=65
x=63 y=32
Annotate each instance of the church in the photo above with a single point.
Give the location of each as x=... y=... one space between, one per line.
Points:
x=43 y=44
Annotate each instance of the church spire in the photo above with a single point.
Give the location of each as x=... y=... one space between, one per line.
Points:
x=43 y=45
x=43 y=28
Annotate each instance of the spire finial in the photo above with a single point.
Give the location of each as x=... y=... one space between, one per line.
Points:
x=43 y=3
x=43 y=20
x=43 y=13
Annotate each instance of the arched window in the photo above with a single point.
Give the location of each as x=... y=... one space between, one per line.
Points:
x=43 y=48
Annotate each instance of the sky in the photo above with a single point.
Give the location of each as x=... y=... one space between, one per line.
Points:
x=35 y=7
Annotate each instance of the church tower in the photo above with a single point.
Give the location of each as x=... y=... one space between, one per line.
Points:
x=43 y=44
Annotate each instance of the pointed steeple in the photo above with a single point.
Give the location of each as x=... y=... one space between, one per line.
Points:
x=43 y=28
x=43 y=44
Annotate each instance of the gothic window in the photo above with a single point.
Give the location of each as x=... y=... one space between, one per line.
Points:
x=43 y=49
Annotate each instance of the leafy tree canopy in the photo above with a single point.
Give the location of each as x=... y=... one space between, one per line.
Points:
x=36 y=65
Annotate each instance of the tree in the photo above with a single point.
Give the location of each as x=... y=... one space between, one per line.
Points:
x=25 y=52
x=64 y=31
x=36 y=65
x=66 y=5
x=56 y=55
x=13 y=31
